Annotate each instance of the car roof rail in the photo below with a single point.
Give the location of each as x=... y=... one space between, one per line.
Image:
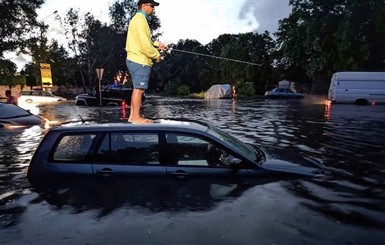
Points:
x=182 y=119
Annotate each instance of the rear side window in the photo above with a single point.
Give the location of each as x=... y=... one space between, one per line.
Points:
x=73 y=147
x=129 y=148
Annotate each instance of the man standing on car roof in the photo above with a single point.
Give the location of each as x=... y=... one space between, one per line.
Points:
x=141 y=51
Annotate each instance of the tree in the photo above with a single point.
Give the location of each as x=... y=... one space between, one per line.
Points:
x=17 y=18
x=121 y=14
x=7 y=69
x=186 y=68
x=322 y=37
x=43 y=52
x=249 y=47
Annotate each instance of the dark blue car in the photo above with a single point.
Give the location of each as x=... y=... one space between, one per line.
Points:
x=14 y=116
x=167 y=148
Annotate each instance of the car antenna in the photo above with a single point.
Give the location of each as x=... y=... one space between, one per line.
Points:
x=77 y=113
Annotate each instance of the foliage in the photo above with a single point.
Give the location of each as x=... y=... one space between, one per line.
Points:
x=322 y=37
x=171 y=88
x=199 y=95
x=183 y=89
x=12 y=81
x=17 y=18
x=7 y=67
x=121 y=13
x=245 y=89
x=183 y=68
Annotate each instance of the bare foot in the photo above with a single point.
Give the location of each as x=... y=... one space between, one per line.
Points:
x=144 y=121
x=139 y=119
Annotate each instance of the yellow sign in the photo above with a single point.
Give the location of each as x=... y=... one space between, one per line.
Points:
x=46 y=78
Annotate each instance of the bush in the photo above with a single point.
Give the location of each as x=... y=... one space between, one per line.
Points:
x=198 y=95
x=171 y=88
x=183 y=90
x=245 y=89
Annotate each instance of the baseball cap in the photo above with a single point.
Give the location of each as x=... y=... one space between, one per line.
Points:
x=148 y=1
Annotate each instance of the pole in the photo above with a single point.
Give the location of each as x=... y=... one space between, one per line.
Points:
x=99 y=73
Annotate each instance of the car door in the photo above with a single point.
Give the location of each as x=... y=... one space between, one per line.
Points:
x=130 y=154
x=189 y=156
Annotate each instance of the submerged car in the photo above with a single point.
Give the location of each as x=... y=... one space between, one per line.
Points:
x=39 y=97
x=110 y=97
x=12 y=115
x=283 y=93
x=167 y=148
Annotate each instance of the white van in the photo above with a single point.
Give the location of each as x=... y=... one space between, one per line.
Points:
x=357 y=87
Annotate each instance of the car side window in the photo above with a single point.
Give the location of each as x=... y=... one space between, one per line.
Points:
x=73 y=147
x=190 y=150
x=129 y=148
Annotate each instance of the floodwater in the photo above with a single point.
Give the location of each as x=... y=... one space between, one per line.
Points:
x=345 y=208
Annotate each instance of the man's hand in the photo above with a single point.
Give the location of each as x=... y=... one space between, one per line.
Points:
x=162 y=46
x=158 y=59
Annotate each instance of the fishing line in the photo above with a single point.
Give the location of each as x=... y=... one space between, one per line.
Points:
x=211 y=56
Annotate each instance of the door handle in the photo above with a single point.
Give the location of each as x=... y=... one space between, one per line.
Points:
x=180 y=174
x=106 y=172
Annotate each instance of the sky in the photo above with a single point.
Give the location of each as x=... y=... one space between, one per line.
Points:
x=200 y=20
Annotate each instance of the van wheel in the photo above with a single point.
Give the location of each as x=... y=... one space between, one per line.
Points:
x=361 y=102
x=28 y=101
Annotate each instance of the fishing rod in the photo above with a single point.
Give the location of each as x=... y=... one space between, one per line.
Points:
x=212 y=56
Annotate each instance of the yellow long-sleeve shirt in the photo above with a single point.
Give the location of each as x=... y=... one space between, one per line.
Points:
x=139 y=46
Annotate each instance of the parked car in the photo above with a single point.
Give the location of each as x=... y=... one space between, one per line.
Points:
x=110 y=97
x=167 y=148
x=12 y=115
x=283 y=93
x=39 y=97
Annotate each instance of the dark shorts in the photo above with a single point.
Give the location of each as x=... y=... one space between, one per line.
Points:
x=140 y=74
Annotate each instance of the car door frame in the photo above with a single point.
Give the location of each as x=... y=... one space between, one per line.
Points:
x=119 y=169
x=196 y=172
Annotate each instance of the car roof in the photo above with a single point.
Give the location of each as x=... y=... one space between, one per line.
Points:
x=11 y=110
x=158 y=125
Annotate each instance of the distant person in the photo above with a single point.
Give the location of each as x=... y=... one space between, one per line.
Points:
x=116 y=83
x=233 y=93
x=141 y=51
x=10 y=99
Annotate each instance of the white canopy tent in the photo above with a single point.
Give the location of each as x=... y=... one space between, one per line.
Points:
x=218 y=91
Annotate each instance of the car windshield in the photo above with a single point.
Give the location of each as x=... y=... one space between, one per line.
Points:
x=246 y=149
x=11 y=111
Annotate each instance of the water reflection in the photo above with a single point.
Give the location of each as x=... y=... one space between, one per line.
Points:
x=156 y=195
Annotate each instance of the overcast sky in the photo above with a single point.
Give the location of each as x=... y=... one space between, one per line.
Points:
x=201 y=20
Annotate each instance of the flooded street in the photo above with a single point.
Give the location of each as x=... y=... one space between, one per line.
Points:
x=346 y=208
